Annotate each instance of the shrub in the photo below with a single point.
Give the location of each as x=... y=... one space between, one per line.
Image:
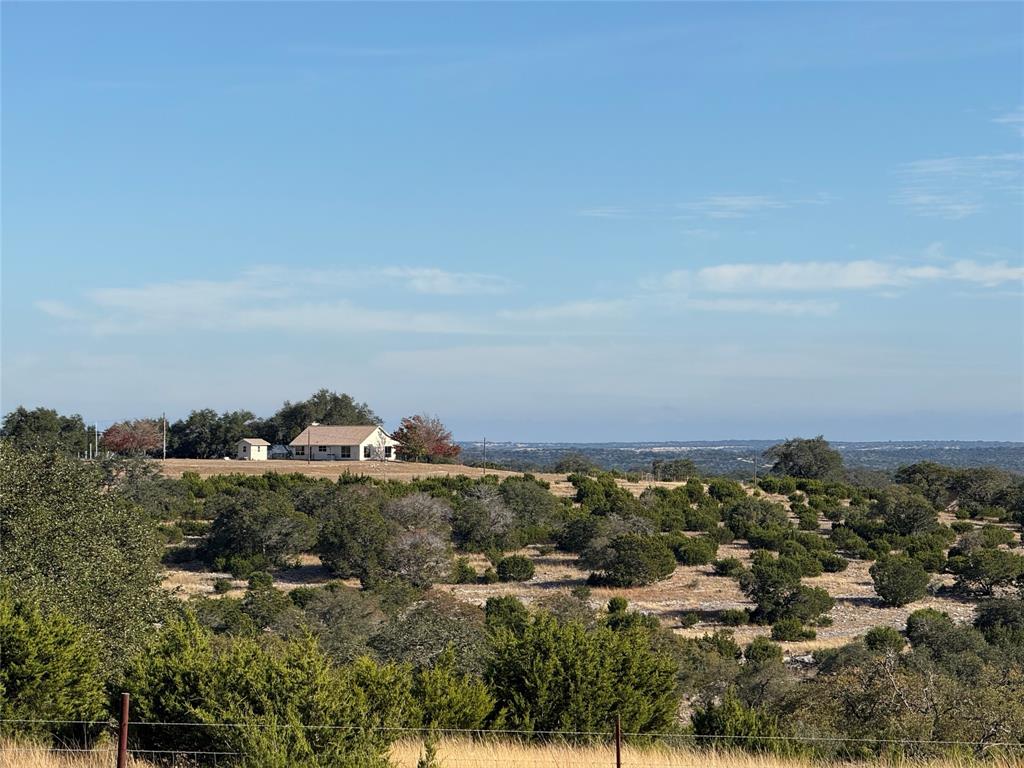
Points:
x=884 y=640
x=729 y=566
x=732 y=723
x=689 y=619
x=633 y=559
x=791 y=629
x=695 y=550
x=984 y=570
x=807 y=519
x=489 y=576
x=505 y=612
x=734 y=617
x=515 y=568
x=899 y=580
x=463 y=572
x=1002 y=622
x=50 y=670
x=221 y=586
x=832 y=563
x=588 y=676
x=618 y=605
x=721 y=489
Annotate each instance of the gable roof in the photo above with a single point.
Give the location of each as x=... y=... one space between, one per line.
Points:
x=325 y=435
x=254 y=441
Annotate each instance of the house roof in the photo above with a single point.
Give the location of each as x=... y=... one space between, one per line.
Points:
x=254 y=441
x=325 y=435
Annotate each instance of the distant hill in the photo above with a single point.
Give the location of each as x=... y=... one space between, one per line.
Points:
x=723 y=457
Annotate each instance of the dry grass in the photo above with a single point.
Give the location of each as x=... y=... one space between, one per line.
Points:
x=487 y=754
x=391 y=470
x=23 y=754
x=492 y=753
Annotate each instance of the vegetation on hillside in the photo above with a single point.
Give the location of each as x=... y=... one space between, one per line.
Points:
x=384 y=653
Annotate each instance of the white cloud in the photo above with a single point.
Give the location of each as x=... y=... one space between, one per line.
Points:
x=790 y=308
x=56 y=309
x=1014 y=119
x=733 y=206
x=273 y=298
x=569 y=310
x=437 y=281
x=825 y=276
x=958 y=187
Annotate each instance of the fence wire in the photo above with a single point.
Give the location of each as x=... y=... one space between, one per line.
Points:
x=657 y=746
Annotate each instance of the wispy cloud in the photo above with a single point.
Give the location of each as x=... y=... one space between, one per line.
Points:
x=958 y=187
x=829 y=276
x=332 y=301
x=711 y=207
x=732 y=206
x=584 y=310
x=792 y=308
x=1014 y=119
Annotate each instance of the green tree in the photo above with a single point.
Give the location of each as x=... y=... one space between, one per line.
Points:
x=985 y=570
x=269 y=687
x=632 y=560
x=899 y=579
x=324 y=407
x=206 y=435
x=553 y=676
x=43 y=429
x=813 y=459
x=50 y=670
x=79 y=548
x=515 y=568
x=251 y=523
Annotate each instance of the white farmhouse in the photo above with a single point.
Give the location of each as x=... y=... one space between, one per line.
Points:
x=251 y=449
x=362 y=443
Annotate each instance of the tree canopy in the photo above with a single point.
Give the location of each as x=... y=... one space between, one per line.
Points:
x=810 y=458
x=45 y=429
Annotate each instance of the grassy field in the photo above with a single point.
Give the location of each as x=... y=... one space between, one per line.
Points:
x=468 y=754
x=391 y=470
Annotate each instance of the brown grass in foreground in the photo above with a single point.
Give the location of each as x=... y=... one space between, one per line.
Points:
x=488 y=754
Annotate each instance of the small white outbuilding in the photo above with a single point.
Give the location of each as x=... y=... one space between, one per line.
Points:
x=251 y=449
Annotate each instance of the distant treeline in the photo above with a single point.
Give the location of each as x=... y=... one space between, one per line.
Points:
x=206 y=434
x=732 y=458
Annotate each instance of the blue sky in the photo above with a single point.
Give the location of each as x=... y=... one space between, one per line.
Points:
x=541 y=222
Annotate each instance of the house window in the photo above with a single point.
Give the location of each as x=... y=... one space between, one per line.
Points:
x=345 y=451
x=322 y=448
x=387 y=451
x=366 y=451
x=300 y=450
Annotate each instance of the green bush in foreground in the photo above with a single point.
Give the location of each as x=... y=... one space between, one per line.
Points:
x=50 y=669
x=554 y=676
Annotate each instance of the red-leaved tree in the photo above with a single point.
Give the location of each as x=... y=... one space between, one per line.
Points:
x=425 y=438
x=133 y=437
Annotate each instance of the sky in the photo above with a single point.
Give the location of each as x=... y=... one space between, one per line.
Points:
x=541 y=222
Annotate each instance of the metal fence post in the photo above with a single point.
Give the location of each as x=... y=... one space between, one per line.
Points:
x=618 y=741
x=122 y=741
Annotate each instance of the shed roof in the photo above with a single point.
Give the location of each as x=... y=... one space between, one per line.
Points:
x=254 y=441
x=327 y=435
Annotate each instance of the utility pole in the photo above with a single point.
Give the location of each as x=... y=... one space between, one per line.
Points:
x=164 y=417
x=485 y=450
x=96 y=439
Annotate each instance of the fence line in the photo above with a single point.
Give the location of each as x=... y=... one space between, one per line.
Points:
x=484 y=732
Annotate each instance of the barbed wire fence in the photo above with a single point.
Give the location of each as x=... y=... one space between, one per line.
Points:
x=614 y=739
